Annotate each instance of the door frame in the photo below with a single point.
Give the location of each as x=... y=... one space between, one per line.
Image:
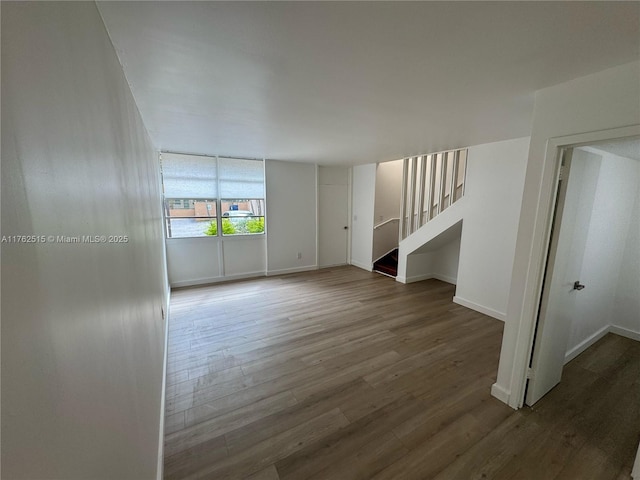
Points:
x=541 y=235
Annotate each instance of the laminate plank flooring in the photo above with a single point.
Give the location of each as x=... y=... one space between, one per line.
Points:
x=345 y=374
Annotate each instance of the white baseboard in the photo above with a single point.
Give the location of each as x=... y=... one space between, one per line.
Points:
x=417 y=278
x=480 y=308
x=367 y=267
x=586 y=343
x=445 y=278
x=241 y=276
x=332 y=265
x=427 y=276
x=209 y=280
x=582 y=346
x=284 y=271
x=500 y=393
x=625 y=332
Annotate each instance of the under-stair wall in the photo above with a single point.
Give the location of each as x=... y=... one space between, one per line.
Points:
x=436 y=259
x=417 y=251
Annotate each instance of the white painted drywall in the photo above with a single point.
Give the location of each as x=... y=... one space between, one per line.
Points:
x=388 y=191
x=440 y=263
x=604 y=100
x=291 y=216
x=626 y=306
x=192 y=261
x=201 y=260
x=609 y=189
x=328 y=175
x=493 y=191
x=244 y=255
x=438 y=255
x=82 y=330
x=446 y=262
x=362 y=201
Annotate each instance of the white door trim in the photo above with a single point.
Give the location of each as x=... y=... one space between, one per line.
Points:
x=526 y=319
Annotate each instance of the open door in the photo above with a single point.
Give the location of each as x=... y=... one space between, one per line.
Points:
x=559 y=288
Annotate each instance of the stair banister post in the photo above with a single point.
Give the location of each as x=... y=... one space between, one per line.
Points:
x=412 y=195
x=454 y=175
x=421 y=185
x=432 y=184
x=403 y=200
x=464 y=175
x=442 y=179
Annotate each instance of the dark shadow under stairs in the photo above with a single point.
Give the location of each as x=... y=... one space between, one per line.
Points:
x=387 y=265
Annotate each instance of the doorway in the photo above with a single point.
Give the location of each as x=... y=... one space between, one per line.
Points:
x=591 y=283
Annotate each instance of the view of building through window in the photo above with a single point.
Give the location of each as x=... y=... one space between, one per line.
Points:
x=192 y=176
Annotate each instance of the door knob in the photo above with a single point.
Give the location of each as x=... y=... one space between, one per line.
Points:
x=346 y=228
x=577 y=285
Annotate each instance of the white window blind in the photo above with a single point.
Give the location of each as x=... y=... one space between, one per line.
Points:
x=240 y=178
x=189 y=176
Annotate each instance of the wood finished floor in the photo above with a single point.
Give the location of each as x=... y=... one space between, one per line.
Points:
x=343 y=374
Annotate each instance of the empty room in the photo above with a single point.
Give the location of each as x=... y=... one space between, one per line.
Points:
x=304 y=240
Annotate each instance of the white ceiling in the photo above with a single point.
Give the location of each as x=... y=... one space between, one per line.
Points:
x=355 y=82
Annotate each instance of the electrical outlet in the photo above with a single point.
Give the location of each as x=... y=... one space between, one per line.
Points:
x=299 y=255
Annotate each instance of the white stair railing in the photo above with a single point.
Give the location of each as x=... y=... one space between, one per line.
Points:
x=385 y=238
x=430 y=184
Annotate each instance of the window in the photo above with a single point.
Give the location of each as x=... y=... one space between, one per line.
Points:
x=211 y=196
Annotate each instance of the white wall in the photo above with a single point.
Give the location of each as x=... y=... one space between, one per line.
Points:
x=82 y=330
x=331 y=175
x=362 y=205
x=192 y=261
x=440 y=263
x=596 y=102
x=446 y=262
x=201 y=260
x=606 y=237
x=626 y=306
x=493 y=191
x=388 y=190
x=291 y=216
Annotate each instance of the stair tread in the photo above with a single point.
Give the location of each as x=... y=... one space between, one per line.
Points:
x=388 y=264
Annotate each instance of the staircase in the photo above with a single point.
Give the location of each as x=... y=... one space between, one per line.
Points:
x=430 y=212
x=387 y=265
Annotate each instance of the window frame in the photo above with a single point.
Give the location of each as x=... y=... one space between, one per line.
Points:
x=219 y=216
